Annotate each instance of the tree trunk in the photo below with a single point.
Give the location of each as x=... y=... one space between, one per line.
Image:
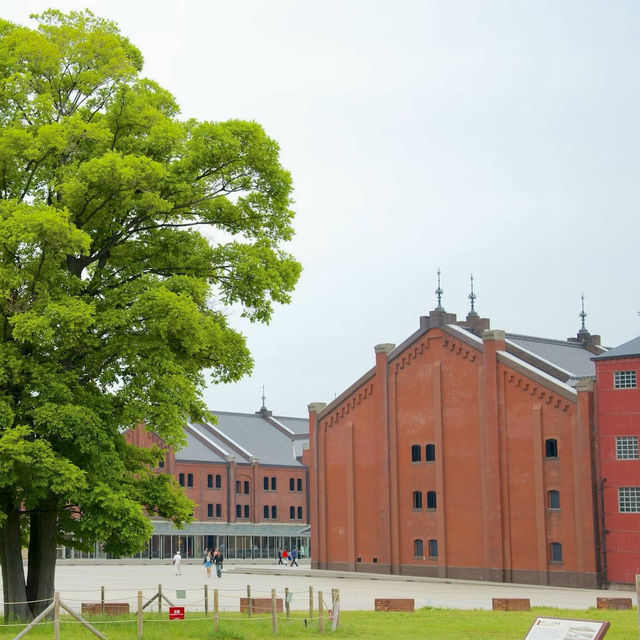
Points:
x=42 y=559
x=13 y=584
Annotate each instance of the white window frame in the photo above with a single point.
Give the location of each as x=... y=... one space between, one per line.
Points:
x=624 y=379
x=627 y=448
x=629 y=499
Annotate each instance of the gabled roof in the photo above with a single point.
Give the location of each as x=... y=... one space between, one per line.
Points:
x=246 y=437
x=626 y=350
x=571 y=357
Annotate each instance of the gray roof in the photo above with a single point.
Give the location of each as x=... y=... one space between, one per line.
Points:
x=572 y=357
x=246 y=437
x=626 y=350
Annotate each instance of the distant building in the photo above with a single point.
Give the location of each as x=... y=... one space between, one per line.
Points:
x=245 y=475
x=470 y=453
x=618 y=406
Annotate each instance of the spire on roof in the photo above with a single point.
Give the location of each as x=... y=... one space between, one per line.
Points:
x=439 y=293
x=263 y=409
x=582 y=316
x=472 y=298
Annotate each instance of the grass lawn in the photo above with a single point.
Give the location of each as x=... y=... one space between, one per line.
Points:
x=427 y=623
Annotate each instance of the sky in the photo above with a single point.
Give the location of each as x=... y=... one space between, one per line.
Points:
x=495 y=137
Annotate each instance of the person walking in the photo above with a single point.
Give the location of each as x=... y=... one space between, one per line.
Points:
x=285 y=557
x=177 y=559
x=280 y=556
x=207 y=562
x=294 y=557
x=217 y=561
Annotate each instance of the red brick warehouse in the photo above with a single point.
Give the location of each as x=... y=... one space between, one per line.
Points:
x=463 y=453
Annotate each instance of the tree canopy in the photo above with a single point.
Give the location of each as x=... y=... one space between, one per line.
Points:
x=126 y=233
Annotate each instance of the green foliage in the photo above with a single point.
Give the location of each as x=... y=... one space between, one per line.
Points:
x=112 y=289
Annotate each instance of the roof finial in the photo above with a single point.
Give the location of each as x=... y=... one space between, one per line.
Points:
x=472 y=297
x=582 y=315
x=439 y=293
x=263 y=407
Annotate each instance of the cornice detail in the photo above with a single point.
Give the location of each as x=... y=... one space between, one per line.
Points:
x=536 y=390
x=344 y=409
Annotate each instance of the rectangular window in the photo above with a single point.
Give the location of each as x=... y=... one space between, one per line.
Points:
x=431 y=500
x=292 y=513
x=299 y=484
x=555 y=552
x=627 y=447
x=415 y=452
x=246 y=487
x=238 y=511
x=292 y=484
x=265 y=483
x=161 y=464
x=433 y=548
x=553 y=499
x=430 y=453
x=551 y=448
x=624 y=379
x=218 y=481
x=181 y=479
x=209 y=511
x=274 y=512
x=629 y=499
x=190 y=480
x=246 y=511
x=273 y=484
x=218 y=511
x=209 y=481
x=417 y=499
x=418 y=550
x=299 y=513
x=266 y=512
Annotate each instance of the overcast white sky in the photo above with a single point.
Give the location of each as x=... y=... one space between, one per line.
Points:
x=499 y=137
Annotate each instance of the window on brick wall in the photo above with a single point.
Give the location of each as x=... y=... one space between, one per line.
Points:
x=189 y=479
x=624 y=379
x=430 y=453
x=181 y=479
x=210 y=511
x=274 y=513
x=265 y=512
x=431 y=499
x=292 y=484
x=265 y=483
x=555 y=552
x=238 y=511
x=415 y=452
x=629 y=499
x=299 y=513
x=246 y=487
x=299 y=484
x=218 y=511
x=238 y=486
x=209 y=481
x=417 y=499
x=553 y=499
x=273 y=484
x=433 y=548
x=218 y=481
x=292 y=513
x=418 y=548
x=246 y=510
x=627 y=447
x=551 y=448
x=161 y=464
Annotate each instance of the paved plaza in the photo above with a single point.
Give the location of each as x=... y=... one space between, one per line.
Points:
x=82 y=583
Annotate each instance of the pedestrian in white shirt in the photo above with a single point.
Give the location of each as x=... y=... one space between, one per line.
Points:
x=176 y=561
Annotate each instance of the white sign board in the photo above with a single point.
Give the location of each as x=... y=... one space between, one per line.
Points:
x=566 y=629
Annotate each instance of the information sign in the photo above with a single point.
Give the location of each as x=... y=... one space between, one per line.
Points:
x=176 y=613
x=567 y=629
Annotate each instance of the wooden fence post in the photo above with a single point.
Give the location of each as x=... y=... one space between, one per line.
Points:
x=274 y=612
x=320 y=613
x=310 y=602
x=102 y=600
x=249 y=600
x=215 y=610
x=139 y=615
x=206 y=600
x=56 y=616
x=159 y=598
x=287 y=606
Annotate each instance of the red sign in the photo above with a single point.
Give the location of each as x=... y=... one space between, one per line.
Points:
x=176 y=613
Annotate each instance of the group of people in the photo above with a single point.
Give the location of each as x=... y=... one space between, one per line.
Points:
x=213 y=558
x=289 y=558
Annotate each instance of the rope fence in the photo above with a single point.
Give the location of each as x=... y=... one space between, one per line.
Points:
x=257 y=606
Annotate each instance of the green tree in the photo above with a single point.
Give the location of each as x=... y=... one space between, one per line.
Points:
x=125 y=232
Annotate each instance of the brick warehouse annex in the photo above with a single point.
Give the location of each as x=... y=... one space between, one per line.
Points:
x=470 y=453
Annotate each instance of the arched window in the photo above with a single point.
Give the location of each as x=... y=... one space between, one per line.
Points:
x=418 y=548
x=433 y=548
x=551 y=448
x=431 y=499
x=553 y=499
x=417 y=499
x=555 y=552
x=415 y=453
x=430 y=453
